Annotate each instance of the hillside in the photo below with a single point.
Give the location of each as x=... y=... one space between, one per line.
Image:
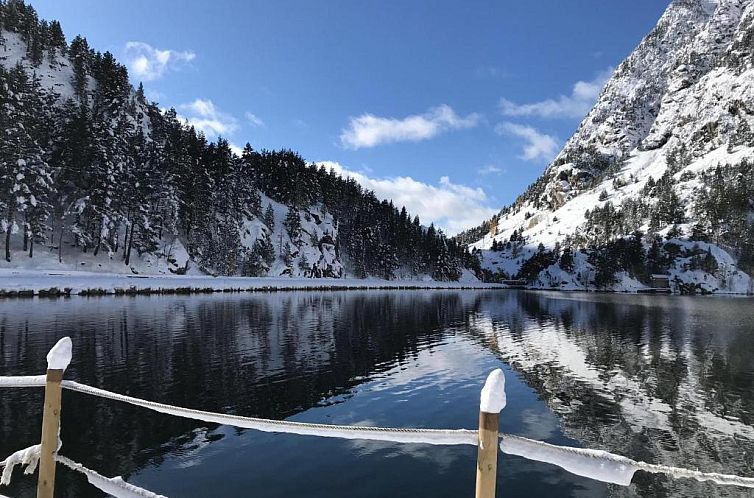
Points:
x=97 y=178
x=657 y=179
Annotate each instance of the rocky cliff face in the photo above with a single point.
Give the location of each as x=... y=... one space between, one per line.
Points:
x=646 y=156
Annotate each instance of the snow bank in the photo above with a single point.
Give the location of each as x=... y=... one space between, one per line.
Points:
x=594 y=464
x=493 y=393
x=60 y=355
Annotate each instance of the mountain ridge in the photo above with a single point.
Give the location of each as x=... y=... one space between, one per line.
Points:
x=673 y=111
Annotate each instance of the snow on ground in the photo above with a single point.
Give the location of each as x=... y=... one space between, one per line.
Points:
x=309 y=252
x=550 y=227
x=73 y=259
x=55 y=75
x=80 y=282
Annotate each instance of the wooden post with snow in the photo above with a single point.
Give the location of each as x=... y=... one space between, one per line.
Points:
x=57 y=361
x=492 y=403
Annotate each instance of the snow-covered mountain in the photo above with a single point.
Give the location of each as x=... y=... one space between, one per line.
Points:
x=666 y=151
x=311 y=253
x=95 y=177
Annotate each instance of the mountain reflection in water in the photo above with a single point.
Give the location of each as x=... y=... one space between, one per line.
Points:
x=655 y=378
x=661 y=379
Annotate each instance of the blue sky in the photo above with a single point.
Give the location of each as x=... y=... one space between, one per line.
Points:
x=449 y=107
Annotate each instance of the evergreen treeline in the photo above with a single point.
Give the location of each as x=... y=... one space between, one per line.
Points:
x=103 y=169
x=611 y=240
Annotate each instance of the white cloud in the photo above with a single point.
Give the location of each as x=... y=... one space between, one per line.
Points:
x=253 y=119
x=206 y=117
x=448 y=205
x=582 y=98
x=489 y=169
x=369 y=130
x=538 y=145
x=148 y=63
x=235 y=149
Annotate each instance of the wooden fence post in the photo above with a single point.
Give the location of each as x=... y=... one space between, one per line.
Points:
x=492 y=402
x=57 y=361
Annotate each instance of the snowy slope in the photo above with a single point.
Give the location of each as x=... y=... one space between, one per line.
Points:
x=686 y=91
x=54 y=74
x=313 y=255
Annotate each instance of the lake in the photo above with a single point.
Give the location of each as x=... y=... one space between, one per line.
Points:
x=664 y=379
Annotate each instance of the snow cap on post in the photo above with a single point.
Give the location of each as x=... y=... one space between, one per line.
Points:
x=59 y=356
x=493 y=393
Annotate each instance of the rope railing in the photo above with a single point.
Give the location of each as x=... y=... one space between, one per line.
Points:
x=116 y=486
x=594 y=464
x=395 y=435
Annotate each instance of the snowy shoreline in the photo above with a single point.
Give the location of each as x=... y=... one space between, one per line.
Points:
x=55 y=283
x=29 y=283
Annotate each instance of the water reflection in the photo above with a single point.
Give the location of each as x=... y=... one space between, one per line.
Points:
x=662 y=379
x=264 y=355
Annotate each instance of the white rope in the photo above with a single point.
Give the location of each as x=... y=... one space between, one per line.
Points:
x=723 y=479
x=116 y=486
x=23 y=381
x=603 y=466
x=595 y=464
x=427 y=436
x=28 y=457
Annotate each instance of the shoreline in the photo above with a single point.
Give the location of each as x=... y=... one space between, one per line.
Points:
x=53 y=284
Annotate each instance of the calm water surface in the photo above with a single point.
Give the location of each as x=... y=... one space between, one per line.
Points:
x=661 y=379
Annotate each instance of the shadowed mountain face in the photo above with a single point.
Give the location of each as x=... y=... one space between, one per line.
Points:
x=666 y=380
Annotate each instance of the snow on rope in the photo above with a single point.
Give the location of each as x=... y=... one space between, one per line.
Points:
x=594 y=464
x=603 y=466
x=427 y=436
x=28 y=457
x=23 y=381
x=116 y=486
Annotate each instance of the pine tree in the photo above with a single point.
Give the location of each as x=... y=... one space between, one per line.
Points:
x=260 y=258
x=387 y=261
x=26 y=181
x=57 y=39
x=566 y=259
x=80 y=55
x=287 y=255
x=292 y=224
x=269 y=217
x=709 y=263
